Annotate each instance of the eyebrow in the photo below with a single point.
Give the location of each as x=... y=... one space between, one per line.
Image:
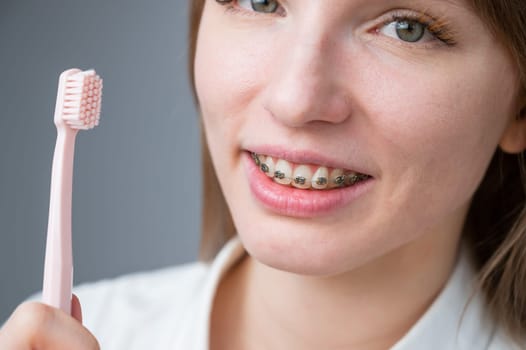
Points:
x=460 y=4
x=457 y=3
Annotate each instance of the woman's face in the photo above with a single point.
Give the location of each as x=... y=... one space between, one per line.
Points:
x=409 y=98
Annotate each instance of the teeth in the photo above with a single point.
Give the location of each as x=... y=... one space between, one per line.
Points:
x=268 y=166
x=283 y=172
x=336 y=179
x=320 y=179
x=353 y=178
x=257 y=159
x=301 y=175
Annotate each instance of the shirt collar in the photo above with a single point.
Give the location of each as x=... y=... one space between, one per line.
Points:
x=196 y=335
x=455 y=320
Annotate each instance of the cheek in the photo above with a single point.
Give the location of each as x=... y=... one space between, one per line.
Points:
x=225 y=87
x=228 y=84
x=449 y=117
x=228 y=87
x=213 y=81
x=435 y=131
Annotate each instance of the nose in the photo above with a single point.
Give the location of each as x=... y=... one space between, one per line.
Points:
x=305 y=87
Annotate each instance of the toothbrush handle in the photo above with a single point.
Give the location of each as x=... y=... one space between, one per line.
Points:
x=58 y=266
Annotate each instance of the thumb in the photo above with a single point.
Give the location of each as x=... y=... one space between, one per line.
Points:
x=76 y=310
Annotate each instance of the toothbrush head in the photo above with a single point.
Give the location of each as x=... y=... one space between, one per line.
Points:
x=78 y=99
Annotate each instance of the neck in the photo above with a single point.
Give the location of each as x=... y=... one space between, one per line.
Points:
x=370 y=307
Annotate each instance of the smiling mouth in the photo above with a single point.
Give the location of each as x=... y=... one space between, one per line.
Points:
x=306 y=176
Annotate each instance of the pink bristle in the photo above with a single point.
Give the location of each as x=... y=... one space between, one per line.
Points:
x=82 y=100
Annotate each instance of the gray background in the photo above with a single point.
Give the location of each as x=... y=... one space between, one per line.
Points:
x=136 y=195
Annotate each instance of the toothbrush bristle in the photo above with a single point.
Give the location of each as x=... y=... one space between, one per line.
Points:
x=82 y=100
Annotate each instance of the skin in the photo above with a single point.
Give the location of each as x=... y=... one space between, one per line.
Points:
x=37 y=326
x=423 y=118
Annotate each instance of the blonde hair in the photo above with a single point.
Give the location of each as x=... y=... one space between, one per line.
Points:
x=217 y=226
x=495 y=227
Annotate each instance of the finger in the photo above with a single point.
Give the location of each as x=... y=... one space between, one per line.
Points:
x=38 y=326
x=76 y=309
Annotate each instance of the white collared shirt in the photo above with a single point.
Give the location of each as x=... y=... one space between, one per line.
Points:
x=170 y=309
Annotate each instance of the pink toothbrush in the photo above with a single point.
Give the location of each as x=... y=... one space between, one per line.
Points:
x=77 y=108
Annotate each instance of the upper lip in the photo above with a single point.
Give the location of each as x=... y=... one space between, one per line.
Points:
x=304 y=156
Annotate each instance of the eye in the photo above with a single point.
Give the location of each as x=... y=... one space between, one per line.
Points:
x=265 y=6
x=407 y=30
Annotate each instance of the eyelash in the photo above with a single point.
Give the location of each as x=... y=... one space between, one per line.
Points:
x=231 y=6
x=438 y=27
x=235 y=9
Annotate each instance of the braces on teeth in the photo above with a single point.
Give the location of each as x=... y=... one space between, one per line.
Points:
x=337 y=180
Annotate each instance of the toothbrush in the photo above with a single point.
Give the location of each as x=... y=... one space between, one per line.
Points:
x=77 y=108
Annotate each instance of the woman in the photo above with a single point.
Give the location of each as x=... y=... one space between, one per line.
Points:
x=369 y=155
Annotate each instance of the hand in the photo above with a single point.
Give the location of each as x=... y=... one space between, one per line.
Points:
x=37 y=326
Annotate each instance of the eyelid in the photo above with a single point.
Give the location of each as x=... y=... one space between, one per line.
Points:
x=233 y=6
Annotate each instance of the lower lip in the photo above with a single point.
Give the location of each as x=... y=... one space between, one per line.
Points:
x=290 y=201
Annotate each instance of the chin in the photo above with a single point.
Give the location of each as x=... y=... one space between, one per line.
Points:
x=299 y=247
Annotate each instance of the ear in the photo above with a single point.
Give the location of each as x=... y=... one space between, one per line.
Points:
x=514 y=137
